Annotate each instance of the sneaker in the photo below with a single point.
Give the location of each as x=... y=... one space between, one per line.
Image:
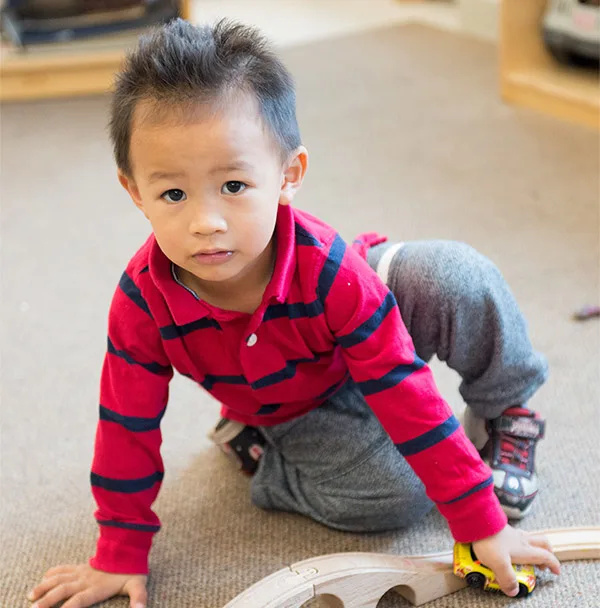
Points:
x=510 y=453
x=244 y=445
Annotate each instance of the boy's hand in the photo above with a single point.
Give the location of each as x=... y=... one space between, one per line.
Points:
x=512 y=546
x=81 y=586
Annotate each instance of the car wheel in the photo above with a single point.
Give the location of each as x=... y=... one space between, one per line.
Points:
x=476 y=580
x=523 y=591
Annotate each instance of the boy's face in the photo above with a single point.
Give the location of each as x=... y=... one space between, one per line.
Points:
x=210 y=187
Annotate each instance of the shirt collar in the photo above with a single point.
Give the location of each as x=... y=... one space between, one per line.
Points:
x=184 y=305
x=285 y=260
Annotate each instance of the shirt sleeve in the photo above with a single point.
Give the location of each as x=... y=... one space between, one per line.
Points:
x=365 y=320
x=127 y=467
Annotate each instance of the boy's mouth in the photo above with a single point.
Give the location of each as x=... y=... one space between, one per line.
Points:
x=213 y=256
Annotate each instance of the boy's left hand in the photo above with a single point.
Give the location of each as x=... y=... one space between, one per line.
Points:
x=512 y=546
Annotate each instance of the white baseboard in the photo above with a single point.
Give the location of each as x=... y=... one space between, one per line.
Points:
x=480 y=18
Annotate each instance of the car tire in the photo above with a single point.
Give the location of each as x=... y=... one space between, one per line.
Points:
x=476 y=580
x=523 y=591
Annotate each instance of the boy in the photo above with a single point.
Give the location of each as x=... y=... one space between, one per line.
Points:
x=269 y=310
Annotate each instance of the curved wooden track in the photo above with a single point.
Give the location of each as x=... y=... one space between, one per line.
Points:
x=359 y=580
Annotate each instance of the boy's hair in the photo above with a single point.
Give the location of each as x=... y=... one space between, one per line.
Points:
x=180 y=64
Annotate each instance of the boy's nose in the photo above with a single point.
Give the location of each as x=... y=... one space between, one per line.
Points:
x=207 y=221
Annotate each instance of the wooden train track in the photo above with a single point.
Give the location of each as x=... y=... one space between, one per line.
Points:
x=359 y=580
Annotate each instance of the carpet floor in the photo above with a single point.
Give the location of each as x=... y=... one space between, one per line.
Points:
x=408 y=137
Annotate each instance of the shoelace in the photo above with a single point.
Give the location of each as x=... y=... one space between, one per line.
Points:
x=514 y=451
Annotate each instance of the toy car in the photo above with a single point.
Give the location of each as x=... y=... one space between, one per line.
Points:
x=571 y=29
x=467 y=566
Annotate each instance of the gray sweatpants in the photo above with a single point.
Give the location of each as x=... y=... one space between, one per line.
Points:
x=337 y=464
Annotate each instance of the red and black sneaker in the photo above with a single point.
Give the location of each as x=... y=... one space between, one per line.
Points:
x=510 y=453
x=243 y=444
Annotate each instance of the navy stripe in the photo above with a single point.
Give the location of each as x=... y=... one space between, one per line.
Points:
x=428 y=439
x=268 y=409
x=331 y=267
x=144 y=269
x=170 y=332
x=134 y=424
x=332 y=389
x=484 y=484
x=132 y=291
x=154 y=368
x=297 y=310
x=289 y=371
x=363 y=332
x=391 y=379
x=125 y=526
x=126 y=486
x=303 y=237
x=210 y=380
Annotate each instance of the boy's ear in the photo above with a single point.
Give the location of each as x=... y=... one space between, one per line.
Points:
x=132 y=189
x=293 y=175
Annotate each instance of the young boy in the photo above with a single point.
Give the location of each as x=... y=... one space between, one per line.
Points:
x=293 y=331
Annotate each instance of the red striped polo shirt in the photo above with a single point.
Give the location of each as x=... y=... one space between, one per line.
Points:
x=325 y=316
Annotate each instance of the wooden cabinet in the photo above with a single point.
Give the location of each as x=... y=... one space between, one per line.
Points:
x=529 y=76
x=65 y=70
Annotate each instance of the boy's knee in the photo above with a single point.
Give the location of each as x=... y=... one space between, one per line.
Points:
x=377 y=494
x=372 y=513
x=361 y=512
x=450 y=271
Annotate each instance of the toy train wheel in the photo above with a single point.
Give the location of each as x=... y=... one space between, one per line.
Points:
x=476 y=580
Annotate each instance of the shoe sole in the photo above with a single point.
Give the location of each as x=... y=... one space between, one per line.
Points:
x=516 y=514
x=226 y=433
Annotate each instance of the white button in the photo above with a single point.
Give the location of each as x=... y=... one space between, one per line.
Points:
x=252 y=340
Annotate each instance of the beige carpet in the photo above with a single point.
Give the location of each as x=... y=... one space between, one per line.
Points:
x=407 y=136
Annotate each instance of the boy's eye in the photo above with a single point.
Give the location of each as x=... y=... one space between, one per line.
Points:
x=233 y=187
x=174 y=195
